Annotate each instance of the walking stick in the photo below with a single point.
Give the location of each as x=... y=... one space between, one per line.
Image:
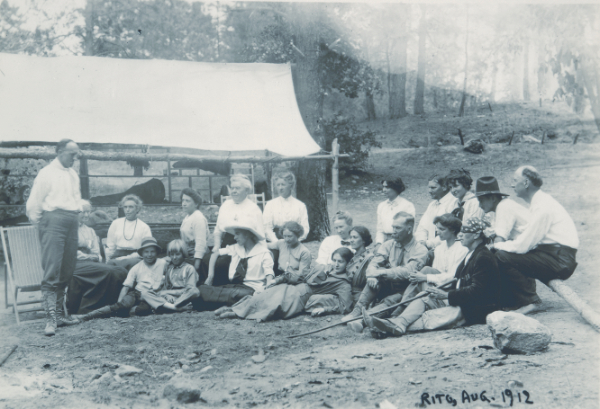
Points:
x=420 y=295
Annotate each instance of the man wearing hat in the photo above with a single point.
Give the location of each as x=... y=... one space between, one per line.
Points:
x=388 y=209
x=546 y=248
x=146 y=276
x=509 y=218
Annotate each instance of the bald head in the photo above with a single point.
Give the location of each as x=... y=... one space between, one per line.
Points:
x=67 y=152
x=526 y=182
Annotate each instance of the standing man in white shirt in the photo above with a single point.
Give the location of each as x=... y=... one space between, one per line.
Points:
x=54 y=206
x=443 y=202
x=389 y=208
x=545 y=250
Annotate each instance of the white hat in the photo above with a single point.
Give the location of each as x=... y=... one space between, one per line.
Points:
x=245 y=223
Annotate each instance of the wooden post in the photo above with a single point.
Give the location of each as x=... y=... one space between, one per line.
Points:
x=335 y=183
x=84 y=179
x=586 y=312
x=169 y=176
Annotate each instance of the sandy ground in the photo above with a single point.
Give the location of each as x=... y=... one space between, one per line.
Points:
x=335 y=368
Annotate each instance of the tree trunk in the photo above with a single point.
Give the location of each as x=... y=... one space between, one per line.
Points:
x=526 y=95
x=88 y=50
x=422 y=61
x=370 y=106
x=541 y=72
x=306 y=25
x=591 y=81
x=138 y=171
x=461 y=110
x=401 y=89
x=494 y=78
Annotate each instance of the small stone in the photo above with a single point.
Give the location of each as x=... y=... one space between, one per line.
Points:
x=127 y=370
x=183 y=390
x=185 y=367
x=386 y=404
x=515 y=384
x=165 y=375
x=213 y=352
x=205 y=369
x=104 y=379
x=515 y=333
x=354 y=182
x=191 y=356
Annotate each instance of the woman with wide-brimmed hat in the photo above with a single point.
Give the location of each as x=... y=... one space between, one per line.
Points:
x=387 y=209
x=250 y=270
x=238 y=207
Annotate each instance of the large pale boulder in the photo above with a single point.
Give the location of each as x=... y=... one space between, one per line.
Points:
x=515 y=333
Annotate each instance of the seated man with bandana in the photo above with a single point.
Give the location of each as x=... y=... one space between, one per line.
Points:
x=390 y=269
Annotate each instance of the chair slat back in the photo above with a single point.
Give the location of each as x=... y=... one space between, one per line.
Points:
x=25 y=256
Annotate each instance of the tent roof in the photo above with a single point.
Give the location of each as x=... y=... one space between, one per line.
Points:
x=227 y=107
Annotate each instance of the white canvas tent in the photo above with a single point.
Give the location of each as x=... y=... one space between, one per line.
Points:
x=216 y=107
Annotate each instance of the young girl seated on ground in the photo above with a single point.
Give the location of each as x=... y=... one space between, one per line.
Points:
x=144 y=277
x=181 y=278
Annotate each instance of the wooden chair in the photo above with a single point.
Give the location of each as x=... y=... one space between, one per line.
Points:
x=258 y=198
x=22 y=265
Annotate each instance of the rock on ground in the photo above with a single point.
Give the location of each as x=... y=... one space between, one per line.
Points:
x=515 y=333
x=127 y=370
x=184 y=390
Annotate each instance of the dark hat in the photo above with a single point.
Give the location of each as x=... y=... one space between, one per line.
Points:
x=395 y=184
x=487 y=185
x=148 y=242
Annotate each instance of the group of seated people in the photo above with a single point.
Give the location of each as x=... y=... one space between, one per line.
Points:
x=470 y=254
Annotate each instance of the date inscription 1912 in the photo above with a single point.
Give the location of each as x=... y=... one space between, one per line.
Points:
x=507 y=397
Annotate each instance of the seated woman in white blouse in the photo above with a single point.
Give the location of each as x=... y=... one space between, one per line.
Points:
x=388 y=209
x=284 y=208
x=231 y=211
x=94 y=284
x=250 y=270
x=447 y=255
x=125 y=234
x=194 y=228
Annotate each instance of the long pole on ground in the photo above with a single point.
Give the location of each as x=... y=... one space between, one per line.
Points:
x=586 y=312
x=390 y=308
x=335 y=181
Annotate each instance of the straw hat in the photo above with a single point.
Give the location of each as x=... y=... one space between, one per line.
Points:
x=245 y=223
x=149 y=242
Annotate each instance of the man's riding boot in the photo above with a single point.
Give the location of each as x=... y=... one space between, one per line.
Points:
x=99 y=313
x=366 y=296
x=49 y=302
x=358 y=325
x=62 y=318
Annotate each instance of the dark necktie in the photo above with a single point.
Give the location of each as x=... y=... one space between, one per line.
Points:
x=240 y=271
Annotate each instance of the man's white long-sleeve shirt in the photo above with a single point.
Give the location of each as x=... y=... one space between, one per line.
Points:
x=549 y=224
x=55 y=187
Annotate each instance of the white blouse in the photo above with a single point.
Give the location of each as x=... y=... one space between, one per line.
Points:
x=426 y=229
x=194 y=232
x=279 y=211
x=385 y=215
x=230 y=212
x=88 y=240
x=124 y=235
x=260 y=263
x=328 y=246
x=446 y=260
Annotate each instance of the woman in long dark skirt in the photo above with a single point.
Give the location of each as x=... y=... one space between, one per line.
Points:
x=94 y=284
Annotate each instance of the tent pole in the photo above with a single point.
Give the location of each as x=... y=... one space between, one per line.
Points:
x=335 y=186
x=169 y=176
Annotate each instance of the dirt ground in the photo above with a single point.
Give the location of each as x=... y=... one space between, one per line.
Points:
x=335 y=368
